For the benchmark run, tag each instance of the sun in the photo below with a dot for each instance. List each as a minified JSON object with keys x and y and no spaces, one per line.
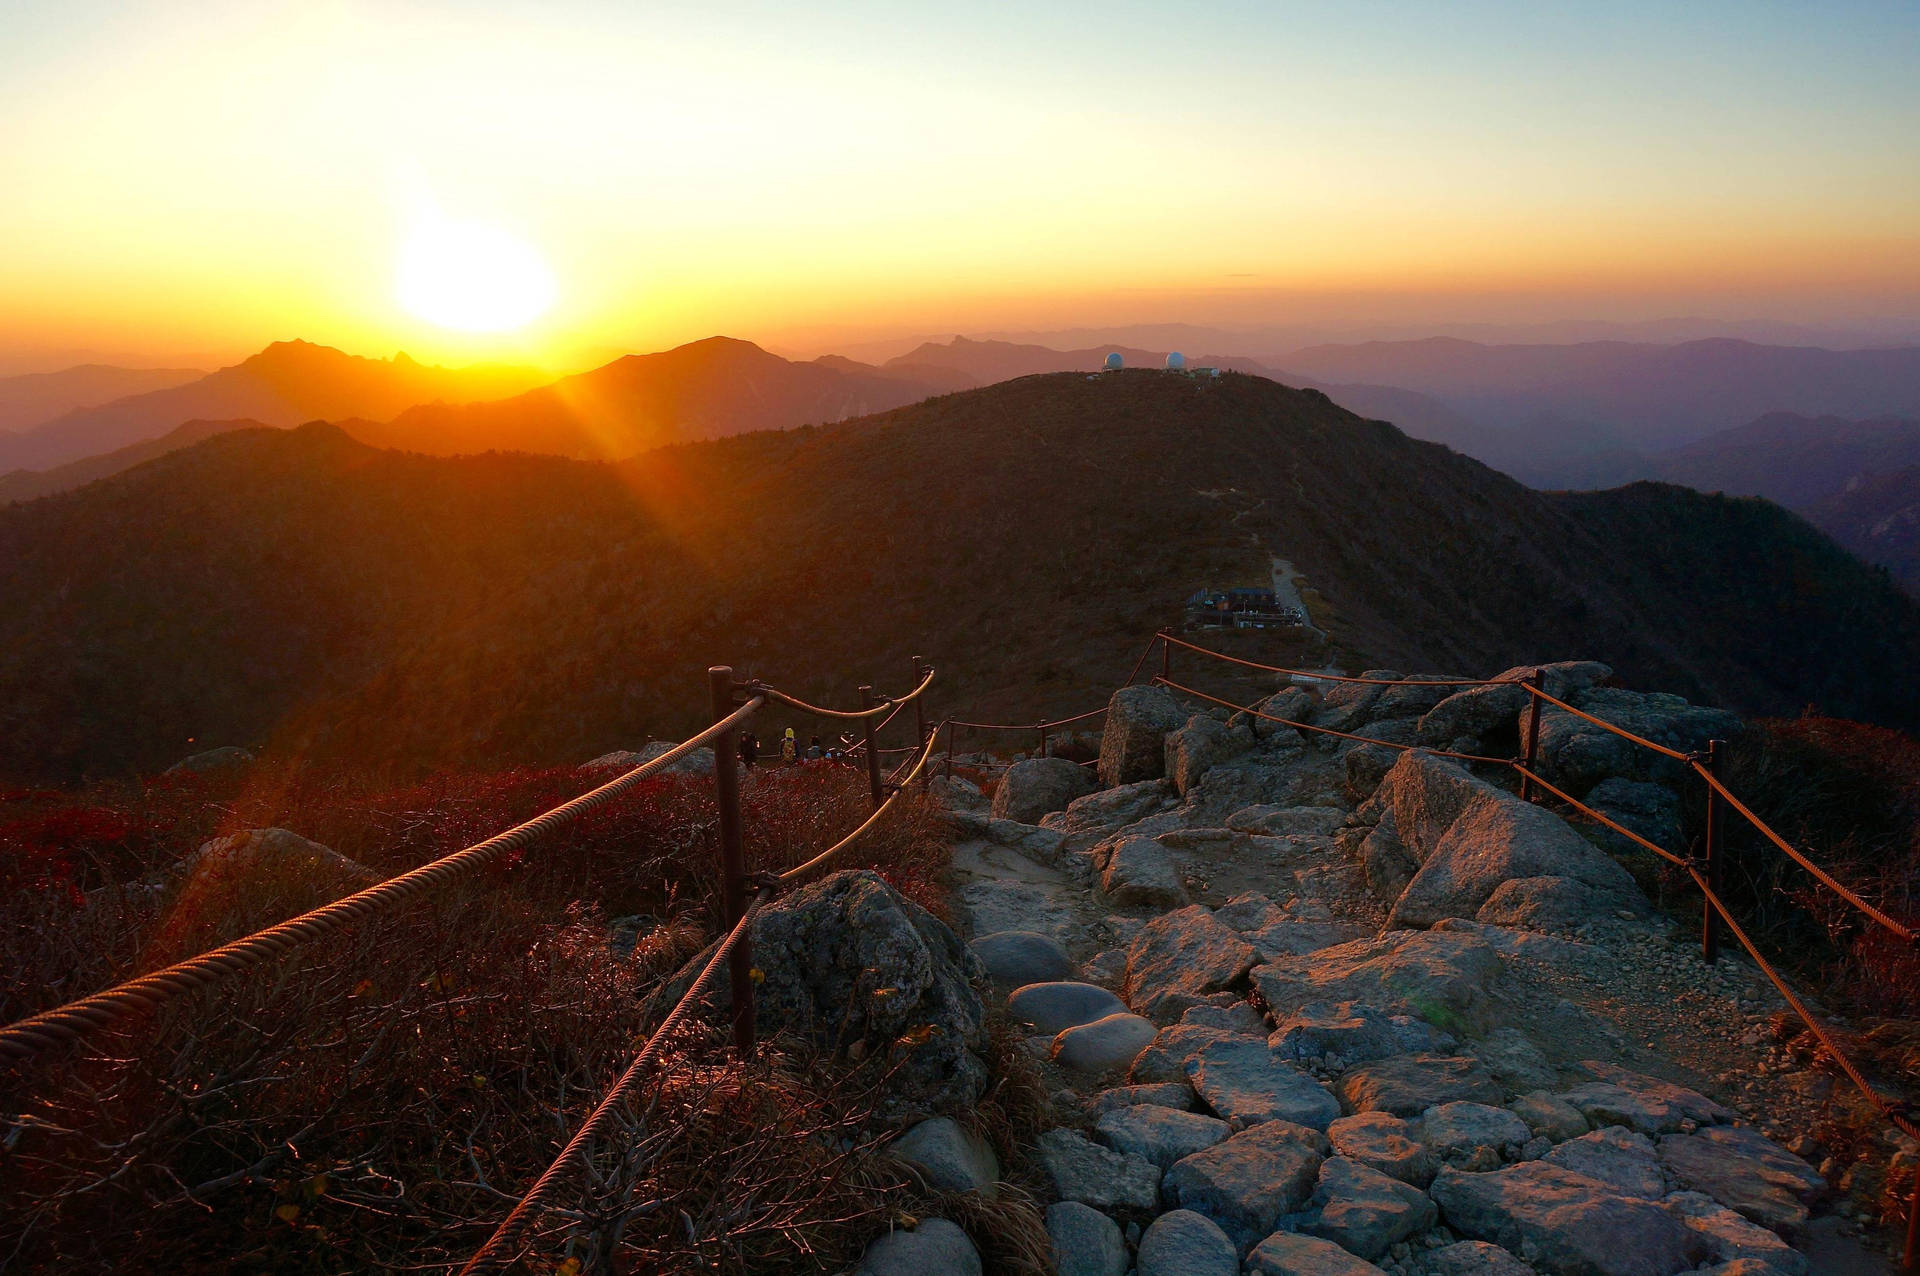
{"x":471,"y":277}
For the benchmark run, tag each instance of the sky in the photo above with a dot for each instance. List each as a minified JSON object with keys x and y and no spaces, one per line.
{"x":193,"y":180}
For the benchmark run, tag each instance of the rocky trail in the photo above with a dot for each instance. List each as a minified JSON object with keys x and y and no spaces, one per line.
{"x":1336,"y":1009}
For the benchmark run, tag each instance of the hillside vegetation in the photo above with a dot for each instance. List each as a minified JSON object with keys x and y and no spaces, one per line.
{"x":303,"y":590}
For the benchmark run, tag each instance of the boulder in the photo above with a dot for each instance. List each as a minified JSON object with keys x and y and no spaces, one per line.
{"x":1616,"y":1156}
{"x":1644,"y":1104}
{"x":1386,"y":1143}
{"x":1141,"y":873}
{"x":1245,"y":1081}
{"x":1199,"y":746}
{"x":1407,"y":1085}
{"x":934,"y":1248}
{"x":235,"y":885}
{"x":1651,"y":810}
{"x":1461,"y":720}
{"x":693,"y":762}
{"x":1347,"y":705}
{"x":948,"y":1156}
{"x":1081,"y":1170}
{"x":1133,"y":746}
{"x":1183,"y":1243}
{"x":1179,"y":959}
{"x":1166,"y":1059}
{"x":1456,"y":1131}
{"x":1105,"y":1044}
{"x":1291,"y":1254}
{"x":993,"y":905}
{"x":1386,"y":865}
{"x":1565,"y":1223}
{"x":1246,"y":1183}
{"x":1365,"y":766}
{"x":1261,"y":778}
{"x":1474,"y":1258}
{"x":1157,"y":1134}
{"x":1444,"y":977}
{"x":1545,"y":903}
{"x":1177,"y":1095}
{"x":1744,"y":1171}
{"x":1550,"y":1116}
{"x":1016,"y":958}
{"x":1470,"y":837}
{"x":1085,"y":1241}
{"x":958,"y":793}
{"x":849,"y":960}
{"x":1364,"y":1211}
{"x":1098,"y":816}
{"x":1349,"y":1030}
{"x":1039,"y":786}
{"x":222,"y":761}
{"x":1410,"y":699}
{"x":1052,"y":1008}
{"x":1038,"y":843}
{"x":1515,"y":1062}
{"x":1732,"y":1239}
{"x":1576,"y":755}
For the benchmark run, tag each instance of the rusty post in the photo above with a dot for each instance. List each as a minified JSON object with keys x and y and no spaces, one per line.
{"x":873,"y":748}
{"x":733,"y":864}
{"x":1910,"y":1260}
{"x":949,"y":760}
{"x":1166,"y":658}
{"x":1042,"y":729}
{"x":1716,"y":834}
{"x":1533,"y":735}
{"x":920,"y":716}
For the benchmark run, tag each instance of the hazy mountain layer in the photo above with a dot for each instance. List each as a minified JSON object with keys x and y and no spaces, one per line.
{"x":36,"y":397}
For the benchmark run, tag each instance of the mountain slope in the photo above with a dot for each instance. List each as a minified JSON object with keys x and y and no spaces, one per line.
{"x":301,"y":588}
{"x":702,"y":390}
{"x":285,"y":384}
{"x":1878,"y":518}
{"x":35,"y":397}
{"x":1791,"y":459}
{"x":25,"y":485}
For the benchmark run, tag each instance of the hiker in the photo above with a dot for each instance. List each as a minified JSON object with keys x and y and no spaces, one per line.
{"x":814,"y":752}
{"x":789,"y":749}
{"x":749,"y":749}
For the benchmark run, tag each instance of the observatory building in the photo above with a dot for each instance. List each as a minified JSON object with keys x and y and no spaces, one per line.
{"x":1176,"y":362}
{"x":1115,"y":362}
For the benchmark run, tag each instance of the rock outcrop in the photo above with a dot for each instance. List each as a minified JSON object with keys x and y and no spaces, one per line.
{"x":1034,"y":787}
{"x":1133,"y":746}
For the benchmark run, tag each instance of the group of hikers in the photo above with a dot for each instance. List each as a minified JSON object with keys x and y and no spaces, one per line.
{"x":790,"y":752}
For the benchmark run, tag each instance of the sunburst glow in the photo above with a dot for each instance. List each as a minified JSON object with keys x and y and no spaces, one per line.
{"x":471,"y":277}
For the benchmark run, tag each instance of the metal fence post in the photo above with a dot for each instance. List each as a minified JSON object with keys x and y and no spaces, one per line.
{"x":949,"y":759}
{"x":1042,"y":729}
{"x":873,"y":748}
{"x":1910,"y":1260}
{"x":1166,"y":658}
{"x":733,"y":864}
{"x":1716,"y":834}
{"x":1535,"y":679}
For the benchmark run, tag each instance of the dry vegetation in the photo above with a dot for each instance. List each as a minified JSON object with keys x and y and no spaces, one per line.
{"x":378,"y":1102}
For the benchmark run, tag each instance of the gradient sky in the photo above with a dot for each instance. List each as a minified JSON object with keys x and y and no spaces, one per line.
{"x":196,"y":177}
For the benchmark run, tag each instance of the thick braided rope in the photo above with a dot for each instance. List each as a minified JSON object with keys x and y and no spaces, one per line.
{"x":886,"y":706}
{"x":69,"y":1023}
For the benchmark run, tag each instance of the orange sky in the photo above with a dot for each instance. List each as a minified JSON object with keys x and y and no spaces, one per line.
{"x":200,"y":180}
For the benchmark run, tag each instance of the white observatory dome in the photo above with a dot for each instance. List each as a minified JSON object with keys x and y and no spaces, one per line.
{"x":1115,"y":362}
{"x":1176,"y":362}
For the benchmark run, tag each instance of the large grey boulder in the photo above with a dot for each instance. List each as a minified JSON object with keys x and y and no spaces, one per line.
{"x":1016,"y":958}
{"x":1133,"y":746}
{"x":1644,"y":1104}
{"x":1246,"y":1081}
{"x":950,"y":1157}
{"x":1179,"y":959}
{"x":1347,"y":705}
{"x":1474,"y":1258}
{"x":1108,"y":1043}
{"x":1407,"y":1085}
{"x":1385,"y":1142}
{"x":1291,"y":1254}
{"x":694,"y":762}
{"x":1177,"y":1095}
{"x":1081,"y":1170}
{"x":1183,"y":1243}
{"x":1565,"y":1223}
{"x":1576,"y":755}
{"x":234,"y":885}
{"x":1167,"y":1058}
{"x":1092,"y":819}
{"x":1616,"y":1156}
{"x":1141,"y":873}
{"x":1054,"y":1007}
{"x":934,"y":1248}
{"x":1471,"y":837}
{"x":1039,"y":786}
{"x":1515,"y":1062}
{"x":1248,"y":1182}
{"x":848,"y":960}
{"x":1457,"y":1132}
{"x":1460,"y":721}
{"x":1161,"y":1135}
{"x":1445,"y":977}
{"x":1199,"y":746}
{"x":1744,"y":1171}
{"x":1364,"y":1211}
{"x":1085,"y":1241}
{"x":1549,"y":1116}
{"x":1651,"y":810}
{"x":1732,"y":1239}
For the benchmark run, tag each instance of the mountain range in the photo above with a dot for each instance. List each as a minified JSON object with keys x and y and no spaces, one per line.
{"x":302,"y":589}
{"x":33,"y":398}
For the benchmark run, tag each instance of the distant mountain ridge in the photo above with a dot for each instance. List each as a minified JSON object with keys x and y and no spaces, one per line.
{"x":285,"y":384}
{"x":34,"y":398}
{"x":303,"y":589}
{"x":26,"y":485}
{"x":702,"y":390}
